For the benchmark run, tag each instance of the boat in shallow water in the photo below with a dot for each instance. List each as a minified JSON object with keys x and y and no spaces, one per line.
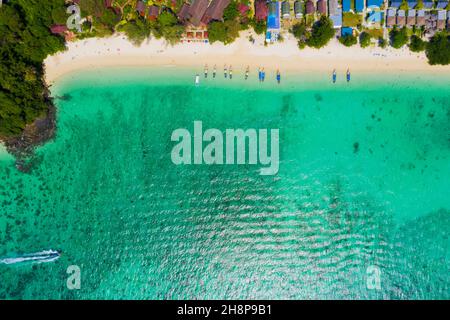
{"x":334,"y":76}
{"x":348,"y":75}
{"x":37,"y":257}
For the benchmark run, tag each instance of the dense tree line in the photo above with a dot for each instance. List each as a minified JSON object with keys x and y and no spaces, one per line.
{"x":25,"y":41}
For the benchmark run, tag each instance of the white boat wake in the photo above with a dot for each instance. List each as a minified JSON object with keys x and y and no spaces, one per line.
{"x":38,"y":257}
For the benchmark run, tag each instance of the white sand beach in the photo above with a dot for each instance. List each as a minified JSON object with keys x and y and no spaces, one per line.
{"x":118,"y":51}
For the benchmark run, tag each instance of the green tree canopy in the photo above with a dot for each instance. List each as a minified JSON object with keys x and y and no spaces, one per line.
{"x":364,"y":39}
{"x":438,"y":49}
{"x":416,"y":44}
{"x":348,"y":40}
{"x":398,"y":37}
{"x":321,"y":34}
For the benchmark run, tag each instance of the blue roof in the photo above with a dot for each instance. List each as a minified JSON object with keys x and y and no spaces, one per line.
{"x":377,"y":3}
{"x":346,"y":5}
{"x":427,"y":4}
{"x":273,"y":20}
{"x":337,"y":18}
{"x":442,"y":4}
{"x":359,"y":5}
{"x":375,"y":16}
{"x":396,"y":4}
{"x":412,"y":4}
{"x":346,"y":31}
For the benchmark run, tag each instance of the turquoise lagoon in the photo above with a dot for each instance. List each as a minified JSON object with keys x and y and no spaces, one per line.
{"x":364,"y":181}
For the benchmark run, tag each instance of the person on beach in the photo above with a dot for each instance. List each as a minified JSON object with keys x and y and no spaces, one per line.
{"x":206,"y":71}
{"x":214,"y":71}
{"x":225,"y":72}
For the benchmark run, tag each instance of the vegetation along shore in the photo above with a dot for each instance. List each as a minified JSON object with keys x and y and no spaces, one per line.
{"x":31,"y":30}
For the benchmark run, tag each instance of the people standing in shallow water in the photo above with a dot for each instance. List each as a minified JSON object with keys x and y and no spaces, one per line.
{"x":214,"y":71}
{"x":225,"y":71}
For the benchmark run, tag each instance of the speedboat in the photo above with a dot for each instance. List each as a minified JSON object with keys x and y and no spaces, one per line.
{"x":37,"y":257}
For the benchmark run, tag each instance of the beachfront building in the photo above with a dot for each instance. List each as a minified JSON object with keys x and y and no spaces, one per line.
{"x":411,"y":18}
{"x":401,"y":18}
{"x":428,"y":4}
{"x":346,"y":5}
{"x":273,"y":22}
{"x":310,"y":8}
{"x":448,"y":20}
{"x":359,"y":6}
{"x":261,"y":10}
{"x":396,"y":4}
{"x":285,"y":9}
{"x":196,"y":12}
{"x":141,"y":8}
{"x":420,"y":19}
{"x":335,"y":13}
{"x":183,"y":14}
{"x":441,"y":18}
{"x":442,"y":4}
{"x":347,"y":31}
{"x":390,"y":18}
{"x":374,"y":3}
{"x":214,"y":12}
{"x":153,"y":13}
{"x":322,"y":7}
{"x":412,"y":4}
{"x":298,"y":9}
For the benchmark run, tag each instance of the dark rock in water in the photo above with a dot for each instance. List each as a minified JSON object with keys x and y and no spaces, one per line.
{"x":318,"y":97}
{"x":35,"y":134}
{"x":65,"y":97}
{"x":356,"y":147}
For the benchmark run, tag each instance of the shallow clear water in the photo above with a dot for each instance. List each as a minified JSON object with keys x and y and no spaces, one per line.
{"x":363,"y":181}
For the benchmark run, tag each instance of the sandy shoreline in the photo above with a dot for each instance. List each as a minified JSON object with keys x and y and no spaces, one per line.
{"x":117,"y":51}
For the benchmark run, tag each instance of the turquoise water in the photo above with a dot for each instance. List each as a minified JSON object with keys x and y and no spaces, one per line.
{"x":363,"y":181}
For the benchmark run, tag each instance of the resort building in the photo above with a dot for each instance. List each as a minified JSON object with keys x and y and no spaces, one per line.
{"x":335,"y":13}
{"x":322,"y":7}
{"x":420,"y":20}
{"x":412,"y":4}
{"x":273,"y":22}
{"x":140,"y":8}
{"x":390,"y":19}
{"x":411,"y":18}
{"x":285,"y":10}
{"x":183,"y":14}
{"x":427,"y":4}
{"x":396,"y":4}
{"x":346,"y":31}
{"x":359,"y":5}
{"x":215,"y":11}
{"x":448,"y":20}
{"x":441,"y":18}
{"x":196,"y":12}
{"x":153,"y":13}
{"x":374,"y":3}
{"x":298,"y":9}
{"x":310,"y":7}
{"x":346,"y":5}
{"x":261,"y":10}
{"x":442,"y":4}
{"x":401,"y":18}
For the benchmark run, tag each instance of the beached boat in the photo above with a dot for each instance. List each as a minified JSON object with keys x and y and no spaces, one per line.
{"x":206,"y":71}
{"x":214,"y":71}
{"x":334,"y":76}
{"x":278,"y":76}
{"x":247,"y":72}
{"x":197,"y":80}
{"x":348,"y":75}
